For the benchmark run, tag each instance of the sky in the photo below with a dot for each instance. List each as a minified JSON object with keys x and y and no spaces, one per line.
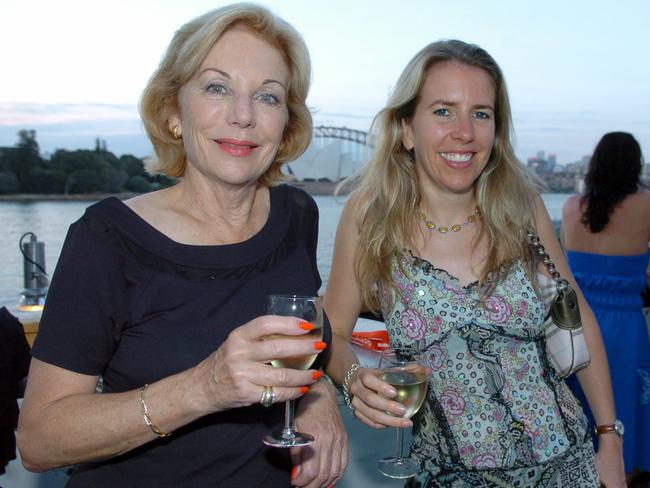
{"x":74,"y":70}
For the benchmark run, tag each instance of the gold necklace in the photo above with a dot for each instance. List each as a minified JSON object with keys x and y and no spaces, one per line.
{"x":452,"y":228}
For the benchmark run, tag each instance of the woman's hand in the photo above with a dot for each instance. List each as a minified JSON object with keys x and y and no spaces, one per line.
{"x":371,"y":399}
{"x":323,"y":462}
{"x":609,"y":461}
{"x":235,"y":374}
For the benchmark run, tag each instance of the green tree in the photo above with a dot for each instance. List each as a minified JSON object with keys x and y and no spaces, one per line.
{"x":138,"y":184}
{"x":26,"y":158}
{"x":8,"y":183}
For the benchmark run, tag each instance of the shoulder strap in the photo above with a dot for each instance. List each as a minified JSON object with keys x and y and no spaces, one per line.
{"x":538,"y":250}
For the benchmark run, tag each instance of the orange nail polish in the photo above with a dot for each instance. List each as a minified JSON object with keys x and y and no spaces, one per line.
{"x":305,"y":325}
{"x":320,"y":345}
{"x":294,"y":472}
{"x":315,"y":375}
{"x":304,"y":389}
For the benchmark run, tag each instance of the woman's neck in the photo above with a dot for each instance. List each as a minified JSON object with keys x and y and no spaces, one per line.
{"x":446,"y":208}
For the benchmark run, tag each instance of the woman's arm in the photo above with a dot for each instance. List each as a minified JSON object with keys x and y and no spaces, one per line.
{"x":322,"y":463}
{"x":342,"y":300}
{"x":595,"y":379}
{"x":343,"y":304}
{"x":63,"y":421}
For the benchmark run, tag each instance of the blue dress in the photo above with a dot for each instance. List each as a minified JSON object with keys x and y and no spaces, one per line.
{"x":612,"y":285}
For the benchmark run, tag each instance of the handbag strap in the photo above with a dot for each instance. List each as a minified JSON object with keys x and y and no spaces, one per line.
{"x":538,"y":248}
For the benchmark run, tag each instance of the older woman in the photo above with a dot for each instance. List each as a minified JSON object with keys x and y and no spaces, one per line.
{"x":164,"y":295}
{"x":435,"y":238}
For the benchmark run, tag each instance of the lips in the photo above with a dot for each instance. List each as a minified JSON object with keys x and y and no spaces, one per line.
{"x":236,"y":147}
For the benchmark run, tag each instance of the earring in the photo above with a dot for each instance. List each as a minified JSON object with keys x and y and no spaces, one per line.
{"x":176,"y":132}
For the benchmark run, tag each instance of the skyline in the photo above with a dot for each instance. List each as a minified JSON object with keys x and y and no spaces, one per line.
{"x":74,"y":71}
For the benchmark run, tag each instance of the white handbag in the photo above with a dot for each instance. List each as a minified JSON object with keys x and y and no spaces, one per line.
{"x":566,"y":347}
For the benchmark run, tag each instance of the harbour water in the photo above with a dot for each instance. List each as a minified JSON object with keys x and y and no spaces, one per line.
{"x":50,"y":220}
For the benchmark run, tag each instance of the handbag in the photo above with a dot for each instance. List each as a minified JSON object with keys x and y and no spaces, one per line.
{"x":566,"y":347}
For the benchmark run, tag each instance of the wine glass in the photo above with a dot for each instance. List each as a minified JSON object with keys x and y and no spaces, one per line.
{"x":310,"y":309}
{"x":406,"y":370}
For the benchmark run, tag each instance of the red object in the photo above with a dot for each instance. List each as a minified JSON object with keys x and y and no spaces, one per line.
{"x":376,"y":340}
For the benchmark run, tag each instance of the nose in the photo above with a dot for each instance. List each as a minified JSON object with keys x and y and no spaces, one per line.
{"x":464,"y":128}
{"x":241,"y":112}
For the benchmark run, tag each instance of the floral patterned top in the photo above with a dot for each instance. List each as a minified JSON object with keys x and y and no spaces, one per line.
{"x":493,"y":400}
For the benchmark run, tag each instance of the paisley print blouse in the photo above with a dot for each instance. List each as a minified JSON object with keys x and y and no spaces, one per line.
{"x":493,"y":401}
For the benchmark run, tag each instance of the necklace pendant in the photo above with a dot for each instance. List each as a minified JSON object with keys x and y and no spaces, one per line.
{"x":456,"y":227}
{"x":443,"y":229}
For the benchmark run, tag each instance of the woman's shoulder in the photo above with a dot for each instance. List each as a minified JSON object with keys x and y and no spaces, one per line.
{"x":640,"y":198}
{"x":110,"y":213}
{"x":294,"y":195}
{"x":572,"y":204}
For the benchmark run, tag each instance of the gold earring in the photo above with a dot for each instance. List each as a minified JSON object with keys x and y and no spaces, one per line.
{"x":176,"y":132}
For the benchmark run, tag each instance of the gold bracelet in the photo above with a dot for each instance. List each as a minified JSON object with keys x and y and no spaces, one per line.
{"x":147,"y":420}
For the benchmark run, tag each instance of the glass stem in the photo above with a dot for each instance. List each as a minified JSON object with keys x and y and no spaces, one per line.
{"x":289,"y":426}
{"x":400,"y":442}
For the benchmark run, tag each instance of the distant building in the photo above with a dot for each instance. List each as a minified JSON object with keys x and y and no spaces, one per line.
{"x":330,"y":158}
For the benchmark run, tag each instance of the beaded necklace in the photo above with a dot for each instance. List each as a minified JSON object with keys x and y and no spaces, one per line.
{"x":451,"y":228}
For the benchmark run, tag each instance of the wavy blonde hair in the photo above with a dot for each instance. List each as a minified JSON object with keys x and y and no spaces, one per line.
{"x":387,"y":195}
{"x":182,"y":60}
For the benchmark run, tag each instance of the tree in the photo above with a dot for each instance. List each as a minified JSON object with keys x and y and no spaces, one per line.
{"x":27,"y":158}
{"x":137,"y":184}
{"x":27,"y":140}
{"x":8,"y":183}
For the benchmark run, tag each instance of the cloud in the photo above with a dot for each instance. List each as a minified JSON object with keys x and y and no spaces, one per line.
{"x":13,"y":114}
{"x":75,"y":126}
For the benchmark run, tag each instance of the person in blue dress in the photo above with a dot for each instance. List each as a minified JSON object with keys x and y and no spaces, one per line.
{"x":435,"y":238}
{"x":605,"y":232}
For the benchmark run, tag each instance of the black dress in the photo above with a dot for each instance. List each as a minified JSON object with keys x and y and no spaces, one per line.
{"x":133,"y":306}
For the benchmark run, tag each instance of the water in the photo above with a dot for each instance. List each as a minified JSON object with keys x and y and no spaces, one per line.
{"x":50,"y":222}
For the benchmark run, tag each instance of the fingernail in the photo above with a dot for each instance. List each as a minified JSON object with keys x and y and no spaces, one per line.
{"x":391,"y":392}
{"x":320,"y":345}
{"x":294,"y":472}
{"x":305,"y":325}
{"x":315,"y":375}
{"x":399,"y":410}
{"x":304,"y":389}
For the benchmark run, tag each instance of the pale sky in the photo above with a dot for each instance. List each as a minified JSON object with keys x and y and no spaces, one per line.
{"x":74,"y":70}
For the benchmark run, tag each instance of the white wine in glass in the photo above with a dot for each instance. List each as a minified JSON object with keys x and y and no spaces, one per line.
{"x":406,"y":370}
{"x":301,"y":362}
{"x":310,"y":309}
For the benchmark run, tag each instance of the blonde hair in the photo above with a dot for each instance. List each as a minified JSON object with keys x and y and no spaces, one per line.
{"x":388,"y":197}
{"x":189,"y":48}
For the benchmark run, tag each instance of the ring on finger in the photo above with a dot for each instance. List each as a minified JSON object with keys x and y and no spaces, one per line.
{"x":268,"y":396}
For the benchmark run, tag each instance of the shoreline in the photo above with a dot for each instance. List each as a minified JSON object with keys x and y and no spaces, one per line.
{"x":314,"y":188}
{"x":40,"y":197}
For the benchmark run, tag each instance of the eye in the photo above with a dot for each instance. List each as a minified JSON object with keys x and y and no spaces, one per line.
{"x":268,"y":98}
{"x":216,"y":89}
{"x":482,"y":115}
{"x":441,"y":112}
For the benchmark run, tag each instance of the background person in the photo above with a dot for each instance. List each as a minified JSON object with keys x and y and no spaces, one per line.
{"x":169,"y":289}
{"x":435,"y":238}
{"x":14,"y":365}
{"x":606,"y":232}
